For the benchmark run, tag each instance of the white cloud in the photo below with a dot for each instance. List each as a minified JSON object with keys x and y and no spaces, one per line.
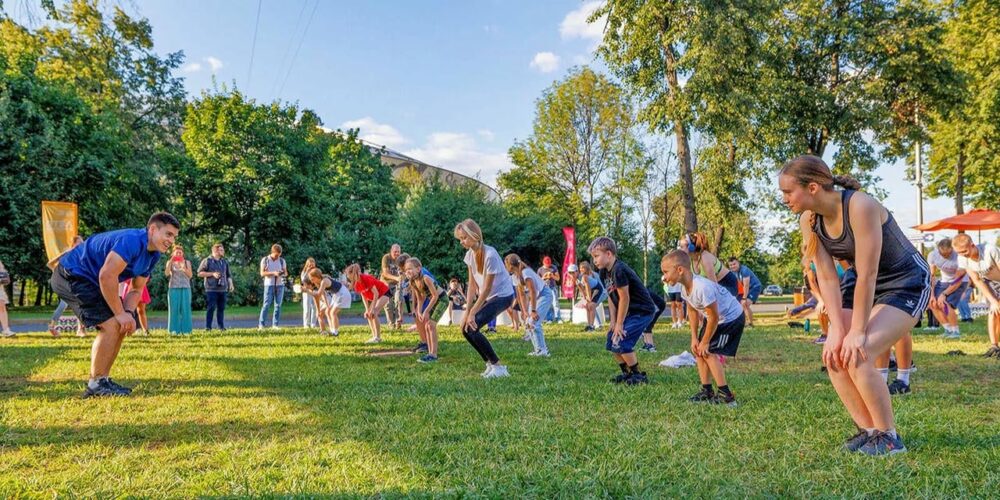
{"x":191,"y":67}
{"x":213,"y":63}
{"x":487,"y":135}
{"x":546,"y":62}
{"x":377,"y":133}
{"x":460,"y":153}
{"x":575,"y":24}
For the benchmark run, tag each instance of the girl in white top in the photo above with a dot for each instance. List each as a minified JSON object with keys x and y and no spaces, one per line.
{"x":983,"y":266}
{"x":535,"y":301}
{"x":330,"y":297}
{"x":490,"y":292}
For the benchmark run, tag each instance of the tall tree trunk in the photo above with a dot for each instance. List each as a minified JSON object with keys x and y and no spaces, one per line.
{"x":960,"y":183}
{"x":20,"y":300}
{"x":39,"y":290}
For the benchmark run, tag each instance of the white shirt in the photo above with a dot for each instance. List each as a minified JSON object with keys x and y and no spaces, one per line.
{"x":948,"y":266}
{"x":988,"y":265}
{"x":492,"y":264}
{"x":272,"y":265}
{"x":705,"y":292}
{"x":530,"y":275}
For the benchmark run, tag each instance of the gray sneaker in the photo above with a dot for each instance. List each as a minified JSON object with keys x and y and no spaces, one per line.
{"x":882,"y":443}
{"x":856,"y":441}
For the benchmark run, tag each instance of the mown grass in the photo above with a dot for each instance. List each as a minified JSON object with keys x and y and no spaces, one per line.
{"x":291,"y":413}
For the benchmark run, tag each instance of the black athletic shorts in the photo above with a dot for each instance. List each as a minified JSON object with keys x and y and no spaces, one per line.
{"x":908,"y":290}
{"x":83,"y":296}
{"x":727,"y":336}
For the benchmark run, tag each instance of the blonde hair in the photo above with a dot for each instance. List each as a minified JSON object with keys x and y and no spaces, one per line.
{"x":309,"y":265}
{"x":513,"y":261}
{"x":315,"y":272}
{"x":470,"y":228}
{"x":806,"y":170}
{"x":353,"y":272}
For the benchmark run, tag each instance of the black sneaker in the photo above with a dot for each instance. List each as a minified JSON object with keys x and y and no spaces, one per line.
{"x":648,"y":348}
{"x":703,"y":396}
{"x":881,"y":443}
{"x":992,"y":352}
{"x":898,"y":387}
{"x":588,"y":329}
{"x":620,"y":378}
{"x":421,"y":347}
{"x":637,"y":378}
{"x":104,"y":388}
{"x":116,"y":385}
{"x":428,"y":358}
{"x":723,"y":399}
{"x":856,"y":441}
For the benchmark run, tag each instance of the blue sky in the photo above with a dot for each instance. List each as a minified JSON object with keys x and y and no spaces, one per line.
{"x":452,"y":83}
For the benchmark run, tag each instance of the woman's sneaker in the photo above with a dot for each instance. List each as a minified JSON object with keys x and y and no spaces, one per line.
{"x":7,"y":334}
{"x":540,"y":354}
{"x":856,"y":441}
{"x":497,"y":371}
{"x":373,"y":340}
{"x":882,"y":443}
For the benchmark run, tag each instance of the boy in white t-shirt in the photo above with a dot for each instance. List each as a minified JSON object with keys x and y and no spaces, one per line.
{"x":722,"y":324}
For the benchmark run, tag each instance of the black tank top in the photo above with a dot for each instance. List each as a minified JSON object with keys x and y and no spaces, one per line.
{"x":897,"y":252}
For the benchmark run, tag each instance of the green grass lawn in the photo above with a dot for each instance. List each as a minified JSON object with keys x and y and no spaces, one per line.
{"x":292,"y":413}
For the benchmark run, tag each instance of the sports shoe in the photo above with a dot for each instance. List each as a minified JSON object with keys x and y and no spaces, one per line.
{"x":621,"y":377}
{"x":421,"y":347}
{"x":724,"y":399}
{"x":488,"y":368}
{"x":8,"y":334}
{"x":334,"y":333}
{"x":427,"y":358}
{"x":882,"y":443}
{"x":116,"y":385}
{"x":992,"y":352}
{"x":373,"y":340}
{"x":498,"y":371}
{"x":323,"y":333}
{"x":931,"y":328}
{"x":820,"y":340}
{"x":856,"y":441}
{"x":703,"y":396}
{"x":104,"y":388}
{"x":491,"y":330}
{"x":52,"y":329}
{"x":539,"y":354}
{"x":952,"y":335}
{"x":898,"y":387}
{"x":588,"y":328}
{"x":637,"y":378}
{"x":648,"y":348}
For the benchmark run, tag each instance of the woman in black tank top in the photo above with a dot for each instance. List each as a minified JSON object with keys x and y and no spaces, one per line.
{"x":876,"y":304}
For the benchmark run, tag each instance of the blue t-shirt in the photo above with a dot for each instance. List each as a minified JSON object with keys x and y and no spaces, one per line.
{"x":131,"y":245}
{"x":745,"y":272}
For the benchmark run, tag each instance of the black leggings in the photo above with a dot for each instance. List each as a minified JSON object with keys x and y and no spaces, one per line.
{"x":660,"y":307}
{"x":491,"y":309}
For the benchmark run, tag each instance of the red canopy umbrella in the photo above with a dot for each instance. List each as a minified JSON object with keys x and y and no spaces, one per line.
{"x":976,"y":220}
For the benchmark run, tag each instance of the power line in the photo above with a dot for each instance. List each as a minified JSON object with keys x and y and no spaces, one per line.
{"x":292,"y":62}
{"x":253,"y":46}
{"x":288,"y":47}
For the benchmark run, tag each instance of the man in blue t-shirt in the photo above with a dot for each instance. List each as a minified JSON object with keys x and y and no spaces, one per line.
{"x":87,"y":278}
{"x":751,"y":286}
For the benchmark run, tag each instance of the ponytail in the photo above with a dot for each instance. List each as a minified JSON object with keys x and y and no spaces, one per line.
{"x":846,"y":182}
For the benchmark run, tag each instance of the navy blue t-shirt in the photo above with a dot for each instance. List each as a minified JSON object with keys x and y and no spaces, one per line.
{"x":639,"y":301}
{"x":745,"y":272}
{"x":131,"y":245}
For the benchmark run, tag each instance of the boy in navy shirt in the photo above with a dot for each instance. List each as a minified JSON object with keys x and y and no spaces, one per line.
{"x":87,"y":278}
{"x":631,"y":309}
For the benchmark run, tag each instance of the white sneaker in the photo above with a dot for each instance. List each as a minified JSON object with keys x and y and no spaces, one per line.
{"x":275,"y":327}
{"x":486,"y":372}
{"x":540,"y":354}
{"x":260,"y":327}
{"x":8,"y":334}
{"x":497,"y":372}
{"x":373,"y":340}
{"x":931,"y":328}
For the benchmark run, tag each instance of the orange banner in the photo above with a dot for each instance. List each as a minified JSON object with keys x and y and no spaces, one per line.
{"x":59,"y":227}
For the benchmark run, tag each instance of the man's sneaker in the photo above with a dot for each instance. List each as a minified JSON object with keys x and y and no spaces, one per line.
{"x":898,"y":387}
{"x":421,"y":347}
{"x":588,"y":328}
{"x":992,"y":352}
{"x":724,"y":399}
{"x":637,"y":378}
{"x":427,"y":358}
{"x":116,"y":385}
{"x":497,"y":372}
{"x":882,"y":443}
{"x":648,"y":348}
{"x":104,"y":388}
{"x":620,"y":378}
{"x":856,"y":441}
{"x":703,"y":396}
{"x":820,"y":340}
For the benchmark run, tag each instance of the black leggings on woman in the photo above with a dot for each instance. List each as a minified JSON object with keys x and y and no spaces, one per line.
{"x":491,"y":309}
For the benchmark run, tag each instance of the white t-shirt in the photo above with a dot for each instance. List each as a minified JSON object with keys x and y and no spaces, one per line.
{"x":528,"y":274}
{"x":948,"y":266}
{"x":988,"y":265}
{"x":275,"y":265}
{"x":675,"y":288}
{"x":492,"y":264}
{"x":705,"y":292}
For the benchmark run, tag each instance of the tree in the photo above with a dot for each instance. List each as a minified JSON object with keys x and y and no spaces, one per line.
{"x":965,"y":156}
{"x":582,"y":131}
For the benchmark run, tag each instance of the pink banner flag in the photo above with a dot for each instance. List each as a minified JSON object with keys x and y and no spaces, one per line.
{"x":568,"y":285}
